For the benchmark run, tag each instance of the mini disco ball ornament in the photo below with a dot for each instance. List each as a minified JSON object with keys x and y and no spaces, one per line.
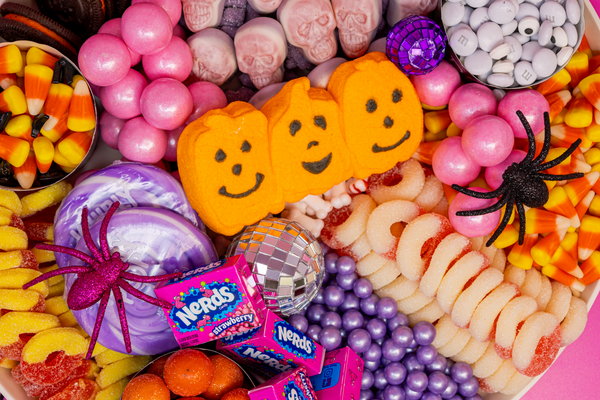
{"x":286,"y":260}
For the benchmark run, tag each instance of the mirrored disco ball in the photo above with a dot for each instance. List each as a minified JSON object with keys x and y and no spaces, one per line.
{"x":287,"y":262}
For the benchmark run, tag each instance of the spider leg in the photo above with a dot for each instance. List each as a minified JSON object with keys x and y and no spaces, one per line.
{"x":504,"y":222}
{"x":521,"y":212}
{"x":558,"y":159}
{"x":104,"y":230}
{"x":66,"y":250}
{"x":87,"y":236}
{"x":493,"y":208}
{"x":530,"y":137}
{"x":549,"y":177}
{"x":122,"y":317}
{"x":148,"y":279}
{"x":481,"y":195}
{"x":98,"y":324}
{"x":547,"y":135}
{"x":143,"y":296}
{"x":60,"y":271}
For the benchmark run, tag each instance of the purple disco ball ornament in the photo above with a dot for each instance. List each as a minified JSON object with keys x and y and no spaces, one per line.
{"x":416,"y":45}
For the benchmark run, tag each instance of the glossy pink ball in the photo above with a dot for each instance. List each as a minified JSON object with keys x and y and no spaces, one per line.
{"x":172,"y":7}
{"x":139,"y":141}
{"x":206,"y":96}
{"x":179,"y":32}
{"x":172,"y":139}
{"x":436,"y":87}
{"x":488,"y":140}
{"x":476,"y":226}
{"x":122,"y":99}
{"x":104,"y":59}
{"x":146,"y":28}
{"x":533,"y":106}
{"x":113,"y":27}
{"x":493,"y":175}
{"x":451,"y":165}
{"x":166,"y":103}
{"x":110,"y":127}
{"x":470,"y":101}
{"x":174,"y":61}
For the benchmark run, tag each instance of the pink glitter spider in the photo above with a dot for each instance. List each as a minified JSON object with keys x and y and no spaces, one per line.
{"x":104,"y":275}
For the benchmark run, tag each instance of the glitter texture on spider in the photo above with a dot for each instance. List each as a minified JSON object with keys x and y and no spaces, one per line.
{"x":523,"y":183}
{"x":106,"y":273}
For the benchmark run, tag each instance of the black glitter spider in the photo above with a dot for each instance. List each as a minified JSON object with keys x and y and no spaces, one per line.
{"x":523,"y":183}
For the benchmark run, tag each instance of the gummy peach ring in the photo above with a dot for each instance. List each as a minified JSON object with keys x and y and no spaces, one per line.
{"x":343,"y":226}
{"x":52,"y":354}
{"x":403,"y":182}
{"x":537,"y":344}
{"x":574,"y":323}
{"x":15,"y":328}
{"x":499,"y":379}
{"x":515,"y":312}
{"x":483,"y":321}
{"x":467,"y":302}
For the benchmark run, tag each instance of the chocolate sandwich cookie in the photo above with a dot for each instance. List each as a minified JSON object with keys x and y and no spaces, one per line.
{"x":84,"y":17}
{"x":120,"y":7}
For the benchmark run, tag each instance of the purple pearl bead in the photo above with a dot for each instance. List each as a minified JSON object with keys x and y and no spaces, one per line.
{"x":461,"y":372}
{"x":362,"y":288}
{"x":315,"y":312}
{"x":476,"y":397}
{"x":385,"y":362}
{"x":377,"y":328}
{"x":439,"y":364}
{"x":344,"y":334}
{"x":450,"y":390}
{"x":368,"y":305}
{"x":330,"y":262}
{"x":351,"y":302}
{"x":334,"y":296}
{"x":412,"y":363}
{"x":424,"y":333}
{"x":430,"y":396}
{"x":326,"y":277}
{"x":319,"y":299}
{"x":352,"y":320}
{"x":425,"y":354}
{"x":381,"y":340}
{"x":397,"y":321}
{"x":345,"y":265}
{"x":380,"y":382}
{"x":366,"y":395}
{"x":346,"y":281}
{"x":324,"y":248}
{"x":402,"y":336}
{"x":411,"y":394}
{"x":391,"y":351}
{"x":413,"y":344}
{"x":438,"y":382}
{"x":395,"y":373}
{"x":379,"y":395}
{"x":417,"y":381}
{"x":373,"y":353}
{"x":331,"y":318}
{"x":469,"y":388}
{"x":367,"y":380}
{"x":387,"y":307}
{"x":298,"y":322}
{"x":313,"y":332}
{"x":449,"y":364}
{"x":359,"y":340}
{"x":393,"y":393}
{"x":456,"y":397}
{"x":372,"y":365}
{"x":330,"y":338}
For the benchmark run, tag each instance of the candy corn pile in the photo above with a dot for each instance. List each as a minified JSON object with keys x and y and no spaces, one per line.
{"x":47,"y":113}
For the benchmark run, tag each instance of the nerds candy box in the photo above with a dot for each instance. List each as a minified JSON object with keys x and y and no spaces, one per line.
{"x":212,"y":302}
{"x":341,"y":376}
{"x":292,"y":385}
{"x":274,"y":347}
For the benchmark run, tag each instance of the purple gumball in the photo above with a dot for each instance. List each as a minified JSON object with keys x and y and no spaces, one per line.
{"x":493,"y":175}
{"x":174,"y":61}
{"x":436,"y":87}
{"x":172,"y":7}
{"x":451,"y":165}
{"x":166,"y":103}
{"x":113,"y":27}
{"x":533,"y":106}
{"x":206,"y":96}
{"x":110,"y":127}
{"x":470,"y":101}
{"x":488,"y":140}
{"x":140,"y":141}
{"x":473,"y":226}
{"x":122,"y":99}
{"x":172,"y":139}
{"x":104,"y":59}
{"x":146,"y":28}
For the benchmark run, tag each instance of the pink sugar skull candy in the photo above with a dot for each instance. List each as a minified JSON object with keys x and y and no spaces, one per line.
{"x":264,"y":6}
{"x":357,"y":22}
{"x":202,"y":14}
{"x":213,"y":56}
{"x":260,"y":49}
{"x":400,"y":9}
{"x":309,"y":25}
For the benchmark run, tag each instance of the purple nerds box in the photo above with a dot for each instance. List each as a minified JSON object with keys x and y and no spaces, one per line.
{"x":341,"y":376}
{"x":212,"y":302}
{"x":291,"y":385}
{"x":274,"y":347}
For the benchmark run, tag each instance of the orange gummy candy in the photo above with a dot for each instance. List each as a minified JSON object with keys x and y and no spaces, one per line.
{"x":80,"y":389}
{"x":40,"y":231}
{"x":146,"y":387}
{"x":85,"y":370}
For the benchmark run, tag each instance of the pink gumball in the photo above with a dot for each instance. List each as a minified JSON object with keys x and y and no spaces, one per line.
{"x":113,"y":27}
{"x":174,"y":61}
{"x":206,"y":96}
{"x":533,"y":106}
{"x":146,"y":28}
{"x":172,"y":139}
{"x":488,"y":140}
{"x":179,"y":32}
{"x":475,"y":226}
{"x":493,"y":175}
{"x":139,"y":141}
{"x":123,"y":98}
{"x":110,"y":127}
{"x":166,"y":103}
{"x":436,"y":87}
{"x":172,"y":7}
{"x":104,"y":59}
{"x":451,"y":165}
{"x":470,"y":101}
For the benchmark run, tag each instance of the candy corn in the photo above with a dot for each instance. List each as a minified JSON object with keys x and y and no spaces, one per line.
{"x":10,"y":59}
{"x":508,"y":237}
{"x":82,"y":117}
{"x":577,"y":189}
{"x":425,"y":152}
{"x":21,"y":72}
{"x":555,"y":83}
{"x":592,"y":156}
{"x":594,"y":63}
{"x":59,"y":129}
{"x":453,"y":130}
{"x":589,"y":236}
{"x":541,"y":221}
{"x":437,"y":121}
{"x":584,"y":47}
{"x":432,"y":108}
{"x":433,"y":137}
{"x":591,"y":269}
{"x":44,"y":153}
{"x":590,"y":88}
{"x":520,"y":255}
{"x":593,"y":131}
{"x":543,"y":250}
{"x":37,"y":84}
{"x":569,"y":244}
{"x":580,"y":113}
{"x":578,"y":67}
{"x":76,"y":79}
{"x":61,"y":160}
{"x":557,"y":102}
{"x":57,"y":104}
{"x":20,"y":127}
{"x":560,"y":118}
{"x":564,"y":135}
{"x":13,"y":100}
{"x":558,"y":202}
{"x":76,"y":146}
{"x":584,"y":204}
{"x":7,"y":80}
{"x":566,"y":279}
{"x":26,"y":173}
{"x":37,"y":56}
{"x":449,"y":192}
{"x":594,"y":208}
{"x":565,"y":262}
{"x":38,"y":123}
{"x":562,"y":168}
{"x":13,"y":150}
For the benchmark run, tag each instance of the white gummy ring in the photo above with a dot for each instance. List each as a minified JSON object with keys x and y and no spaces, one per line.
{"x":467,"y":302}
{"x":411,"y":184}
{"x":515,"y":312}
{"x":484,"y":318}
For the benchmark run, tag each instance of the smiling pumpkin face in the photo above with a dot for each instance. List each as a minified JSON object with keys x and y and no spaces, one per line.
{"x":308,"y":153}
{"x":225,"y":169}
{"x":381,"y":116}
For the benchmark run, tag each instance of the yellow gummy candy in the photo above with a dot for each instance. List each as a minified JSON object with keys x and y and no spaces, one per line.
{"x":55,"y":279}
{"x":5,"y":217}
{"x":17,"y":277}
{"x":52,"y":340}
{"x":56,"y":306}
{"x":10,"y":259}
{"x":10,"y":200}
{"x":110,"y":356}
{"x":7,"y":363}
{"x":15,"y":323}
{"x":57,"y":290}
{"x":98,"y":349}
{"x":67,"y":319}
{"x":120,"y":369}
{"x":43,"y":256}
{"x":45,"y":198}
{"x":12,"y":239}
{"x":114,"y":391}
{"x":436,"y":121}
{"x":19,"y":299}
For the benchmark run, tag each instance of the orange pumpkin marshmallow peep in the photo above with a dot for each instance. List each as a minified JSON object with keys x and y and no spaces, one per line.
{"x":226,"y":169}
{"x":381,"y":116}
{"x":308,"y":152}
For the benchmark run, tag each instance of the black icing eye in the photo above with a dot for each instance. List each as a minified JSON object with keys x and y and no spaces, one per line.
{"x":397,"y":95}
{"x":237,"y":169}
{"x":295,"y":126}
{"x":371,"y":106}
{"x":321,"y":122}
{"x":246,"y":147}
{"x":220,"y":156}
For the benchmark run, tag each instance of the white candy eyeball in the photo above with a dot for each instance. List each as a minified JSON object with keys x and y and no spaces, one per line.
{"x":527,"y":10}
{"x":510,"y":28}
{"x":478,"y":17}
{"x":544,"y":63}
{"x":502,"y":11}
{"x":516,"y":50}
{"x":524,"y":73}
{"x":564,"y":55}
{"x":500,"y":80}
{"x":571,"y":32}
{"x":489,"y":36}
{"x":478,"y":63}
{"x":452,"y":13}
{"x":529,"y":26}
{"x":573,"y":11}
{"x":553,"y":12}
{"x":545,"y":33}
{"x":503,"y":67}
{"x":500,"y":51}
{"x":559,"y":37}
{"x":464,"y":42}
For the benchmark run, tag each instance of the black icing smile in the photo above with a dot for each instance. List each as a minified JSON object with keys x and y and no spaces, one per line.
{"x":259,"y":180}
{"x":377,"y":149}
{"x":317,"y":167}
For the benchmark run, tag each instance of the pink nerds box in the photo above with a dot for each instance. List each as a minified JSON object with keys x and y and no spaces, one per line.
{"x":273,"y":348}
{"x":212,"y":302}
{"x":292,"y":385}
{"x":341,"y":377}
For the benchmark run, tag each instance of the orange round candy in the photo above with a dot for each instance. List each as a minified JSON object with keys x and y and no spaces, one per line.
{"x":237,"y":394}
{"x":158,"y":366}
{"x":188,"y":372}
{"x":228,"y":376}
{"x":191,"y":398}
{"x":146,"y":387}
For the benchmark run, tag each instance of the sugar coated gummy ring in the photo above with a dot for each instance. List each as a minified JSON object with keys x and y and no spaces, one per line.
{"x":344,"y":225}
